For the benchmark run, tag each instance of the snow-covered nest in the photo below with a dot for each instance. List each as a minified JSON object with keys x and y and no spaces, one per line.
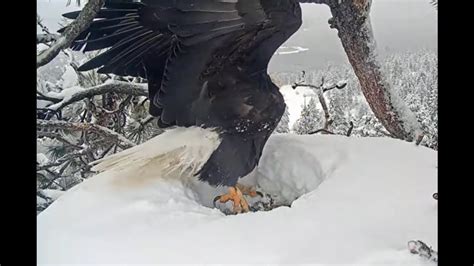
{"x":353,"y":201}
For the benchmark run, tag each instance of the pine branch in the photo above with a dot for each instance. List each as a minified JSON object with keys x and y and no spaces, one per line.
{"x":122,"y":141}
{"x":58,"y":136}
{"x":116,"y":86}
{"x":81,"y":23}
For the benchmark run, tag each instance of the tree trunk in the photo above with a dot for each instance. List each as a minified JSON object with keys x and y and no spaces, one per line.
{"x":351,"y":19}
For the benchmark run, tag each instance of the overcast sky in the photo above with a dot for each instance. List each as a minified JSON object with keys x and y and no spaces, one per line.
{"x":399,"y":25}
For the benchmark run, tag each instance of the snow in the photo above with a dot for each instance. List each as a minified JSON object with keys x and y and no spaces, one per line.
{"x":406,"y":116}
{"x":353,"y":200}
{"x":295,"y":100}
{"x":53,"y":193}
{"x":341,"y":82}
{"x":41,"y":159}
{"x":70,"y":78}
{"x":65,"y":95}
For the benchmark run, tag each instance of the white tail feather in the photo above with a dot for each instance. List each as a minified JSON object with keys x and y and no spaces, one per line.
{"x":177,"y":153}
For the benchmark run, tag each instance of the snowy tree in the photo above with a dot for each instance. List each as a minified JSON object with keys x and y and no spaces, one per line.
{"x":413,"y":76}
{"x":310,"y":120}
{"x":284,"y":124}
{"x":352,"y":21}
{"x":82,"y":117}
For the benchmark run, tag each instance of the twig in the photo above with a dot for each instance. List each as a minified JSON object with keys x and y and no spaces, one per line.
{"x":321,"y":130}
{"x":40,"y":23}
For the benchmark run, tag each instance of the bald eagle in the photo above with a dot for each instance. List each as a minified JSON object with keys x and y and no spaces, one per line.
{"x":206,"y":65}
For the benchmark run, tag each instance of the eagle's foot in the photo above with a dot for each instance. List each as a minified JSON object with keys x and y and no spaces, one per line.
{"x":237,"y":197}
{"x":248,"y":190}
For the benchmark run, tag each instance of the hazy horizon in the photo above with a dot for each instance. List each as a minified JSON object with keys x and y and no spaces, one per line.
{"x":399,"y":25}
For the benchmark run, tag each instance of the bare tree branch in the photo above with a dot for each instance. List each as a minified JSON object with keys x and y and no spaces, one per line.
{"x":81,"y":23}
{"x":321,"y":130}
{"x":351,"y":127}
{"x":320,"y":90}
{"x":100,"y":130}
{"x":116,"y":86}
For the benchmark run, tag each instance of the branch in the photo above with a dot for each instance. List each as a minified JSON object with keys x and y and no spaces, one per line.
{"x":321,"y":130}
{"x":47,"y":98}
{"x":349,"y":131}
{"x":319,"y":91}
{"x":58,"y":136}
{"x":81,"y":23}
{"x":39,"y":22}
{"x":325,"y":109}
{"x":100,"y":130}
{"x":339,"y":85}
{"x":419,"y":139}
{"x":295,"y":85}
{"x":46,"y":38}
{"x":116,"y":86}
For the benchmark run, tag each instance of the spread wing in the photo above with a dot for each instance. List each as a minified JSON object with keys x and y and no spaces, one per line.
{"x":169,"y":42}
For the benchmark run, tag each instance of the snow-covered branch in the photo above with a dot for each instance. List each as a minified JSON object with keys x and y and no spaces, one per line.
{"x":82,"y":22}
{"x":423,"y":250}
{"x":100,"y":130}
{"x":44,"y":97}
{"x":75,"y":94}
{"x":46,"y":38}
